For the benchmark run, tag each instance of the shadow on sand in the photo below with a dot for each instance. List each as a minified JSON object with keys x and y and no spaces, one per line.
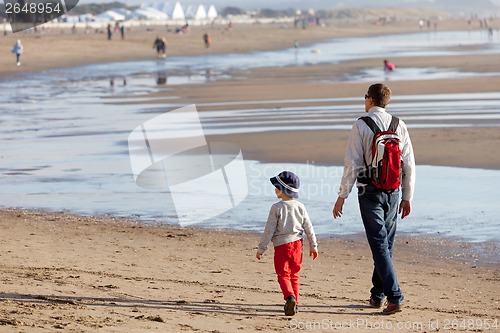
{"x":207,"y":306}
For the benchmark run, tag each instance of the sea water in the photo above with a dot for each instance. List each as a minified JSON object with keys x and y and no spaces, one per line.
{"x":449,"y":201}
{"x":75,"y":158}
{"x":64,"y":138}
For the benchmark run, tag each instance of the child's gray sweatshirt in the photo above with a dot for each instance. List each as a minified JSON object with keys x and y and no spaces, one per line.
{"x":287,"y":222}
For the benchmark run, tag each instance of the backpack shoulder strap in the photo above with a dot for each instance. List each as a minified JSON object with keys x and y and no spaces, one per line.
{"x":369,"y":121}
{"x":394,"y":124}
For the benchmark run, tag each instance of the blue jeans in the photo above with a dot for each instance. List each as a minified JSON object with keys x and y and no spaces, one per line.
{"x":379,"y":211}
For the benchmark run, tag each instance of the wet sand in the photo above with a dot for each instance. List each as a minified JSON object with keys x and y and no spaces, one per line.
{"x":74,"y":273}
{"x":461,"y":146}
{"x":432,"y":146}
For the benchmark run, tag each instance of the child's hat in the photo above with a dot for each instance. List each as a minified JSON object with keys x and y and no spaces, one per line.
{"x":288,"y":183}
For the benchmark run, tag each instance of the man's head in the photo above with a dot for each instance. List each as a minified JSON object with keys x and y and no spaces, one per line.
{"x":378,"y":95}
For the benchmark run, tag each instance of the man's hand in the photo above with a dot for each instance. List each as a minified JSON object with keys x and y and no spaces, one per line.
{"x":258,"y":255}
{"x":313,"y":254}
{"x":404,"y":208}
{"x":337,"y":208}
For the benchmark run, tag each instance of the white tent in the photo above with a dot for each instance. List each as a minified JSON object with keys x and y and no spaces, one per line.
{"x":200,"y":13}
{"x":177,"y":12}
{"x":212,"y":12}
{"x":110,"y":15}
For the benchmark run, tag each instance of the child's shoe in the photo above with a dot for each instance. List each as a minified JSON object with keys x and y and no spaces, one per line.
{"x":290,"y":305}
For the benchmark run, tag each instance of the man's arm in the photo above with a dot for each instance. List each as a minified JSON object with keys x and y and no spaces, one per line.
{"x":408,"y":158}
{"x":353,"y":161}
{"x":337,"y":207}
{"x":404,"y":208}
{"x":408,"y":186}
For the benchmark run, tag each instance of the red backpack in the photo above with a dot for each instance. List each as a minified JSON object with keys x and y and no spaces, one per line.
{"x":384,"y":171}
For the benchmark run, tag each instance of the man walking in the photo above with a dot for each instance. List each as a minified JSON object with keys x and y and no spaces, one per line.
{"x":378,"y":203}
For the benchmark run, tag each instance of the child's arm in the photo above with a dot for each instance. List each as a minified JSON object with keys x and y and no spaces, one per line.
{"x":272,"y":222}
{"x":311,"y":236}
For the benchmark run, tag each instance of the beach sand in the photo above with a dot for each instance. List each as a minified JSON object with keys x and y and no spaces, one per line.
{"x":83,"y":274}
{"x":58,"y":47}
{"x":87,"y":274}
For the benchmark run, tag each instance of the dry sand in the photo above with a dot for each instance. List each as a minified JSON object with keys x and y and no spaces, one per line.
{"x":86,"y":274}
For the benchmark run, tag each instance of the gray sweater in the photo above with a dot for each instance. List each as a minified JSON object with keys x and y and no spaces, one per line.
{"x":287,"y":222}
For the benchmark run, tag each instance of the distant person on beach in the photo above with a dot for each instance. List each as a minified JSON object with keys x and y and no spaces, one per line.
{"x":207,"y":40}
{"x":161,"y":47}
{"x":110,"y":31}
{"x":18,"y":50}
{"x":287,"y":222}
{"x":184,"y":29}
{"x":379,"y":206}
{"x":389,"y":66}
{"x":122,"y":31}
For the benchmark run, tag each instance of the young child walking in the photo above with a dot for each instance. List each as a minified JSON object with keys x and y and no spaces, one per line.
{"x":287,"y":222}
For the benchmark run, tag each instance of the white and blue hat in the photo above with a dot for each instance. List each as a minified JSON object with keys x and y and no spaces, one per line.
{"x":288,"y":183}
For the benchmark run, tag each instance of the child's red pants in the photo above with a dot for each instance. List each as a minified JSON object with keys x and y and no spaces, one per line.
{"x":287,"y":263}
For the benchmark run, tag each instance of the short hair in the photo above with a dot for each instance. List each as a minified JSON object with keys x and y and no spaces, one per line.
{"x":380,"y":93}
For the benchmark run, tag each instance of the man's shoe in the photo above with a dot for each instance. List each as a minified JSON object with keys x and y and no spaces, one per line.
{"x":290,"y":305}
{"x":375,"y":304}
{"x":392,"y":308}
